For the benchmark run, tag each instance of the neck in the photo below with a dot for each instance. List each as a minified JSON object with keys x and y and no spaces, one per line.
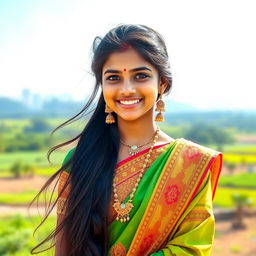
{"x":136,"y":132}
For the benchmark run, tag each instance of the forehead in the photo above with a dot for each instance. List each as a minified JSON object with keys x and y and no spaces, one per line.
{"x":127,"y":59}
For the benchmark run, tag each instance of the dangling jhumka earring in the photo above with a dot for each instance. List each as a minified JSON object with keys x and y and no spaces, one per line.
{"x":109,"y":118}
{"x":160,"y":107}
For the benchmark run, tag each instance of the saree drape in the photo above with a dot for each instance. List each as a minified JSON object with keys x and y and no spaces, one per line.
{"x":172,"y":212}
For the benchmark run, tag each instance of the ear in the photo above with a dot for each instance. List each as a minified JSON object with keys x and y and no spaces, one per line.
{"x":162,"y":85}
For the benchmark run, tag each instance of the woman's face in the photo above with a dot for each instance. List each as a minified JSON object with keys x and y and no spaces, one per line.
{"x":130,"y":84}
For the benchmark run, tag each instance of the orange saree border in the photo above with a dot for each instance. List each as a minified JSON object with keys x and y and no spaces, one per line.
{"x":179,"y":182}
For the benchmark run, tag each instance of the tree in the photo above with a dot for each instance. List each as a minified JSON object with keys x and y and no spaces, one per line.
{"x":209,"y":134}
{"x":240,"y":201}
{"x":38,"y":125}
{"x":16,"y":169}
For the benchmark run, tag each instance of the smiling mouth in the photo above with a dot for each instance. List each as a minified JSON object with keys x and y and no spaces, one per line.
{"x":129,"y":102}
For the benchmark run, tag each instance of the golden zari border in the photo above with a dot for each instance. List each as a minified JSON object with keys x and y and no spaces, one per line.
{"x":182,"y":174}
{"x":63,"y":191}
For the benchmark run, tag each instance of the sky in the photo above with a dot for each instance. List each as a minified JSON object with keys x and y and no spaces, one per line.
{"x":45,"y":46}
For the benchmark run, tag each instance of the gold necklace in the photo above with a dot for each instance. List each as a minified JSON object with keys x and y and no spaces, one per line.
{"x":123,"y":209}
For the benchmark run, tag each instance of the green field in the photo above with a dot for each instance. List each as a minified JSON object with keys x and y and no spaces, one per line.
{"x":242,"y":180}
{"x":223,"y":196}
{"x":16,"y":234}
{"x":23,"y":198}
{"x":240,"y":149}
{"x":37,"y":159}
{"x":239,"y":158}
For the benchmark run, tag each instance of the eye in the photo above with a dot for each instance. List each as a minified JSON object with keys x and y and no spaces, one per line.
{"x":113,"y":78}
{"x":141,"y":76}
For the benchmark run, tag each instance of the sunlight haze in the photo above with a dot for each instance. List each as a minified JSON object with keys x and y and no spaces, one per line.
{"x":45,"y":46}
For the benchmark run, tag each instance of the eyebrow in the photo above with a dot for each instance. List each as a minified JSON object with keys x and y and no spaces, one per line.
{"x":132,"y":70}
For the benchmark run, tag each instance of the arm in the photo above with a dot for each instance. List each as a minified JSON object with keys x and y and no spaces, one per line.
{"x":61,"y":242}
{"x":195,"y":231}
{"x":61,"y":247}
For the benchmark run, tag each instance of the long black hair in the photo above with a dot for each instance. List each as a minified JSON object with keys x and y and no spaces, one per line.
{"x":94,"y":159}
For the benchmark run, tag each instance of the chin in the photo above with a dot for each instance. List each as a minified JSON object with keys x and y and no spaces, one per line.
{"x":129,"y":118}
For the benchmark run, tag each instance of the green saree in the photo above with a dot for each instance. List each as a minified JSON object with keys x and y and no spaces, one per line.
{"x":172,"y":212}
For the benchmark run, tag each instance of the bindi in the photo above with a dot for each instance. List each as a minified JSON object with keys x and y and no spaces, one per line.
{"x":124,"y":69}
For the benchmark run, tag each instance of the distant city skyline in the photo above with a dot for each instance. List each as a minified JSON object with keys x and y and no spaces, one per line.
{"x":45,"y":46}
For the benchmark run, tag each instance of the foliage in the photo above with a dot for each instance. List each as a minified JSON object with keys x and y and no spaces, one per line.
{"x":26,"y":142}
{"x":223,"y":197}
{"x":33,"y":134}
{"x":242,"y":121}
{"x":241,"y":199}
{"x":16,"y":169}
{"x":33,"y":158}
{"x":38,"y":125}
{"x":19,"y":168}
{"x":242,"y":180}
{"x":23,"y":198}
{"x":16,"y":234}
{"x":206,"y":134}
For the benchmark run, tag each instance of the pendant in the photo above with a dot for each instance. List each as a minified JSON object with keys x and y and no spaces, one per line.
{"x":123,"y":211}
{"x":133,"y":150}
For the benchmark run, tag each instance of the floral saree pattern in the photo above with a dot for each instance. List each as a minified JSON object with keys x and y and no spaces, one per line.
{"x":172,"y":205}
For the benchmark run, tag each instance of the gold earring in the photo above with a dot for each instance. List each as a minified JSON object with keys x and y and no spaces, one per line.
{"x":160,"y":107}
{"x":109,"y":118}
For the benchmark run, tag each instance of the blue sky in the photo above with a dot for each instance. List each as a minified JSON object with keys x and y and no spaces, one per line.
{"x":45,"y":46}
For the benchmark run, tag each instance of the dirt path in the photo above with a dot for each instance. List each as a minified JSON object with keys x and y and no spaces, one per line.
{"x":22,"y":210}
{"x":12,"y":185}
{"x":229,"y":242}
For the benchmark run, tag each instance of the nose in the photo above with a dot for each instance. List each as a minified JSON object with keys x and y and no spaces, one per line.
{"x":127,"y":89}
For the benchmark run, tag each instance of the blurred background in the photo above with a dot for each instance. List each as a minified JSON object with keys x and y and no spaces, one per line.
{"x":45,"y":78}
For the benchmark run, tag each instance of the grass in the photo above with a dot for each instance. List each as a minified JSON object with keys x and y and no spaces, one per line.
{"x":240,"y":149}
{"x":242,"y":180}
{"x":42,"y":171}
{"x":223,"y":196}
{"x":33,"y":158}
{"x":47,"y":171}
{"x":16,"y":234}
{"x":23,"y":198}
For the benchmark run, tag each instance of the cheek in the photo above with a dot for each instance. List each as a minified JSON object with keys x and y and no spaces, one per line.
{"x":151,"y":93}
{"x":108,"y":94}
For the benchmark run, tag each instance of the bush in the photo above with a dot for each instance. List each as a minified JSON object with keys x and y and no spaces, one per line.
{"x":15,"y":236}
{"x":18,"y":168}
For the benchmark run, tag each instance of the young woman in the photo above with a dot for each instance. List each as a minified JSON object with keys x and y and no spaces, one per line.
{"x":128,"y":188}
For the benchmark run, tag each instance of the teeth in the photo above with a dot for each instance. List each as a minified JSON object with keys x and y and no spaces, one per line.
{"x":129,"y":102}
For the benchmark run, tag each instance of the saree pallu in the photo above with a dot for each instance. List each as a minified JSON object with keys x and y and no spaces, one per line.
{"x":172,"y":212}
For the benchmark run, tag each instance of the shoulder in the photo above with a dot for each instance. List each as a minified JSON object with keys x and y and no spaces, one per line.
{"x":191,"y":146}
{"x":204,"y":158}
